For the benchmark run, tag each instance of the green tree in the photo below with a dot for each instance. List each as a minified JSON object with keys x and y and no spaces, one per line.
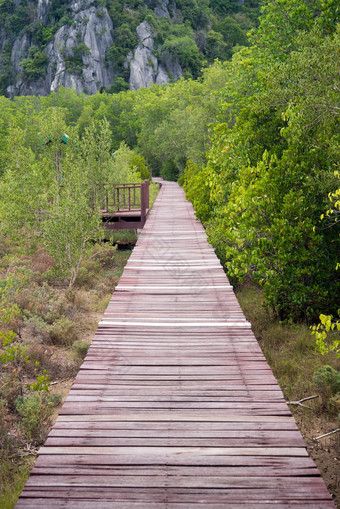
{"x":274,"y":147}
{"x":34,"y":67}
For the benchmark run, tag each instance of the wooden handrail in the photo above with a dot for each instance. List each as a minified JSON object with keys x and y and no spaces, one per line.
{"x":127,"y":197}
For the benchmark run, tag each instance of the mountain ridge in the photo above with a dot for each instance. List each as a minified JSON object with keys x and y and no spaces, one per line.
{"x":95,"y":45}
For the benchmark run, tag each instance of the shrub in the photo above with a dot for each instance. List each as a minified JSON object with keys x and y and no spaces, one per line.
{"x":34,"y":67}
{"x":13,"y":353}
{"x":105,"y":254}
{"x":77,"y":300}
{"x":10,"y":389}
{"x":41,"y":263}
{"x":139,"y":164}
{"x":13,"y":356}
{"x":11,"y":287}
{"x":327,"y":382}
{"x":74,"y":60}
{"x":42,"y":355}
{"x":63,"y":332}
{"x":3,"y":428}
{"x":42,"y":301}
{"x":81,"y":347}
{"x":35,"y":411}
{"x":37,"y":329}
{"x":88,"y":273}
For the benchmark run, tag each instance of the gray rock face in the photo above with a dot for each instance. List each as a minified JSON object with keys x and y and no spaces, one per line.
{"x":42,"y":10}
{"x":76,"y":54}
{"x":144,"y":65}
{"x":145,"y":70}
{"x":92,"y":27}
{"x":95,"y":32}
{"x":161,"y":9}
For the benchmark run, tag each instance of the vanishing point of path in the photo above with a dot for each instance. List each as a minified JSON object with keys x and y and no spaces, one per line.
{"x":174,"y":406}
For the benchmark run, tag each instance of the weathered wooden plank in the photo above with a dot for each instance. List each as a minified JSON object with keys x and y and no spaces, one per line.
{"x":169,"y":451}
{"x":116,"y":470}
{"x":107,"y":504}
{"x":177,"y":426}
{"x":175,"y":417}
{"x":284,"y":464}
{"x":100,"y":441}
{"x":181,"y":495}
{"x":163,"y":479}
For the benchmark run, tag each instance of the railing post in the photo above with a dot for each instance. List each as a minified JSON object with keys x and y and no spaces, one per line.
{"x":147,"y":194}
{"x":144,"y":200}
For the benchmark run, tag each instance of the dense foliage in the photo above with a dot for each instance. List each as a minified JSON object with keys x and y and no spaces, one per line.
{"x":53,"y":184}
{"x":197,"y":32}
{"x":272,"y":161}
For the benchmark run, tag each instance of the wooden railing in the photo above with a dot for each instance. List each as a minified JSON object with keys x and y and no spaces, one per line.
{"x":126,"y":197}
{"x":126,"y":200}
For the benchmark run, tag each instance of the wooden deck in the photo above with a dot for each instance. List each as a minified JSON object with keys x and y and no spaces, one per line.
{"x":174,"y":406}
{"x":126,"y":206}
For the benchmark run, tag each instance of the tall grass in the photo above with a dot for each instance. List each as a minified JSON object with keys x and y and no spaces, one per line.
{"x":13,"y":477}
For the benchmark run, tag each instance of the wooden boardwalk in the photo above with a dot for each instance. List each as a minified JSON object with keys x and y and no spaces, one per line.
{"x":174,"y":406}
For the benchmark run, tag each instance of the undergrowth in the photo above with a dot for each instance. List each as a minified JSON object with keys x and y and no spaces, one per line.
{"x":288,"y":347}
{"x":45,"y":332}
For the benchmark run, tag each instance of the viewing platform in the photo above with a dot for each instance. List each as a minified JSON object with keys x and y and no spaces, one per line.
{"x":126,"y":206}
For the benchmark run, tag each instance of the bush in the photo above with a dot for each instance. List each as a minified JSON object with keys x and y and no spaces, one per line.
{"x":139,"y":164}
{"x":169,"y":171}
{"x":42,"y":355}
{"x":37,"y":329}
{"x":63,"y":332}
{"x":10,"y":389}
{"x":88,"y":273}
{"x":327,"y":382}
{"x":4,"y":437}
{"x":35,"y":411}
{"x":81,"y":347}
{"x":34,"y":67}
{"x":185,"y":49}
{"x":106,"y":254}
{"x":43,"y":301}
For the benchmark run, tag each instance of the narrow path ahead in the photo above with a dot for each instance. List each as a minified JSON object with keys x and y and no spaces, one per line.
{"x":175,"y":406}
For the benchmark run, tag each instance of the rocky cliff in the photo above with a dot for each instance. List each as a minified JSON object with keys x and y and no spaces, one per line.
{"x":145,"y":69}
{"x":76,"y":56}
{"x":91,"y":45}
{"x":84,"y":42}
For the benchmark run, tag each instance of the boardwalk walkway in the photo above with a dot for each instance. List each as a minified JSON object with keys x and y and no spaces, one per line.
{"x":175,"y":406}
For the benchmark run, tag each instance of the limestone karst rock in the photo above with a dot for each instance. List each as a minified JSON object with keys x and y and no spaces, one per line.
{"x":91,"y":30}
{"x":145,"y":69}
